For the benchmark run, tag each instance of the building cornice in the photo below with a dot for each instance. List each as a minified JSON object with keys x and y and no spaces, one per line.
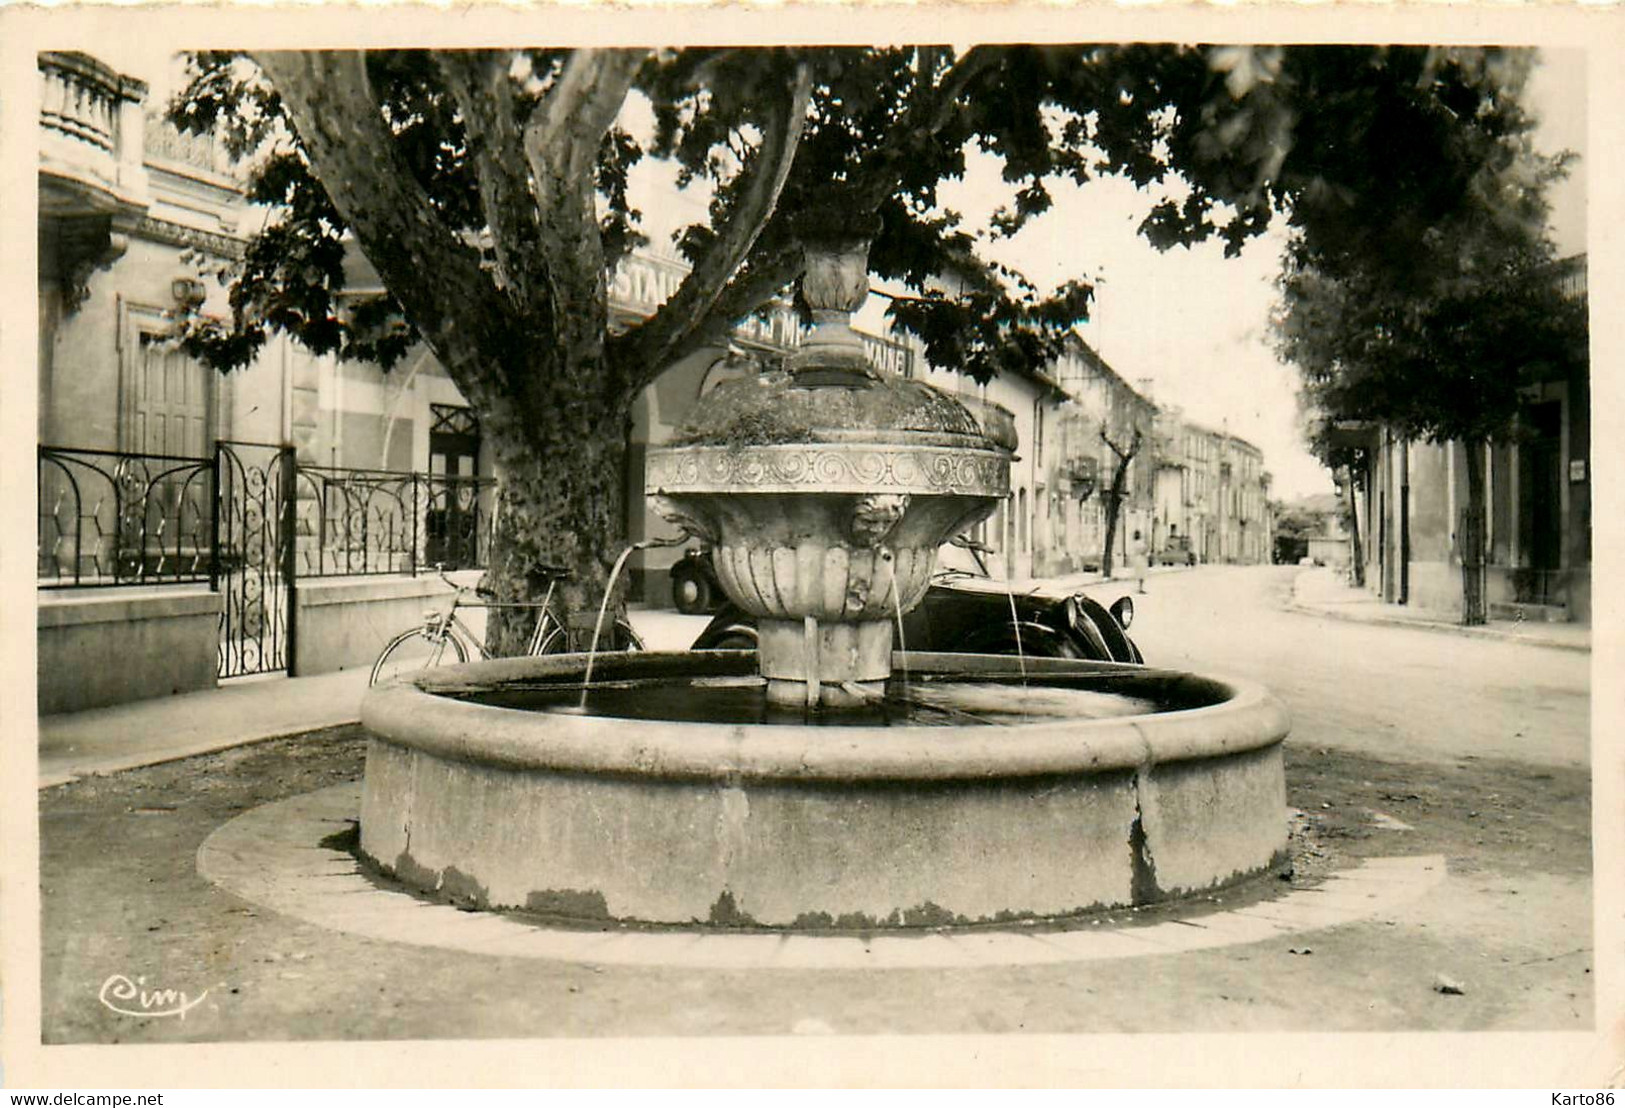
{"x":176,"y":234}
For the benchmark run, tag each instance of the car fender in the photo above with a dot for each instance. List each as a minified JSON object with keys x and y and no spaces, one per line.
{"x":1119,"y":647}
{"x":727,"y":623}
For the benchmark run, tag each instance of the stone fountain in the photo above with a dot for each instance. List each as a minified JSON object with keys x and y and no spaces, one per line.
{"x":824,"y":492}
{"x":810,"y":787}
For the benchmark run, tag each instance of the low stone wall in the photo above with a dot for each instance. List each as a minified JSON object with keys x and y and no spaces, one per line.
{"x":111,"y":646}
{"x":345,"y":621}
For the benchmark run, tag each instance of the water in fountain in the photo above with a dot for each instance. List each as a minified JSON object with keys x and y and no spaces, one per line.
{"x":926,"y":702}
{"x":603,"y":609}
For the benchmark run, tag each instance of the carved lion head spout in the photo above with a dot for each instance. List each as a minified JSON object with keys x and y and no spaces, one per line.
{"x":685,"y":521}
{"x":874,"y":516}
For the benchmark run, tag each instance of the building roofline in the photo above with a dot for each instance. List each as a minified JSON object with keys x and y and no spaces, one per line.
{"x":1206,"y":430}
{"x":1076,"y":340}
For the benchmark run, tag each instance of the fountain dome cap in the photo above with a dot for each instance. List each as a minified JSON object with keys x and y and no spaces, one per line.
{"x":780,"y":407}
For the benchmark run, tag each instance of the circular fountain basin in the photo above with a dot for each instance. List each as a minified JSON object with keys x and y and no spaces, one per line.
{"x":987,"y":790}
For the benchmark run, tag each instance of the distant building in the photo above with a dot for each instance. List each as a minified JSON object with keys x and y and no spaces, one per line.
{"x":1313,"y":528}
{"x":1100,"y":404}
{"x":1212,"y":495}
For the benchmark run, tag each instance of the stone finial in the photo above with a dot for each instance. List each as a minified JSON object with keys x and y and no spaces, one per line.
{"x":834,"y":283}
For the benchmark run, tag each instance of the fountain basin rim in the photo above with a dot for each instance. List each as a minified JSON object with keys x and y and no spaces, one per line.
{"x":417,"y":715}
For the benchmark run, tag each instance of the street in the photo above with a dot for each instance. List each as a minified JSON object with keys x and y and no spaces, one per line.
{"x":1406,"y":744}
{"x":1390,"y":692}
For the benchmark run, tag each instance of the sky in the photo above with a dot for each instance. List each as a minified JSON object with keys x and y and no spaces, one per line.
{"x":1189,"y":327}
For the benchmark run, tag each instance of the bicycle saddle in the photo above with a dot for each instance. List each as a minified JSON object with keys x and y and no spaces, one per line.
{"x":545,"y":571}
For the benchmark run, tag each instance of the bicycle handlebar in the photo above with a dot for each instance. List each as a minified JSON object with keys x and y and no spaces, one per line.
{"x":482,"y":591}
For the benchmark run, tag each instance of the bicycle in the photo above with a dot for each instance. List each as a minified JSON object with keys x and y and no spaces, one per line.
{"x":428,"y":644}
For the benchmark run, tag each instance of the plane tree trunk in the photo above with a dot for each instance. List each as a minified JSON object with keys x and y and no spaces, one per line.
{"x":523,"y":335}
{"x":1117,"y":493}
{"x":1356,"y":550}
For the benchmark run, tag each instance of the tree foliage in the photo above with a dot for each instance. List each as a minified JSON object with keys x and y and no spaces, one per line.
{"x":1363,"y":146}
{"x":1434,"y":333}
{"x":489,"y":191}
{"x":1437,"y":335}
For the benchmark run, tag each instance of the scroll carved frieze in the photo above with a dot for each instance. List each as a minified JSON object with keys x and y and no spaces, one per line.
{"x":829,"y":468}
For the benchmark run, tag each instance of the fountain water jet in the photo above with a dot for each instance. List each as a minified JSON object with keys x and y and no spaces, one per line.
{"x":797,"y":794}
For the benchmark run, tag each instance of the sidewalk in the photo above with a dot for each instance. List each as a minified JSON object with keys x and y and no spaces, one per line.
{"x":146,"y":732}
{"x":242,"y":711}
{"x":1323,"y":592}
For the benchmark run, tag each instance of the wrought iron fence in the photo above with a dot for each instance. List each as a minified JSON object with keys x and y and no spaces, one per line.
{"x":249,"y":522}
{"x":120,"y":518}
{"x":253,"y":558}
{"x":359,"y":521}
{"x":108,"y":518}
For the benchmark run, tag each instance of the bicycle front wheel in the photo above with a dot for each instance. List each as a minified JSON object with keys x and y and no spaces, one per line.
{"x":414,"y":651}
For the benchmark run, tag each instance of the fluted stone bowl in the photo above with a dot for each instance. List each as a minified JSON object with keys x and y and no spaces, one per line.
{"x":824,"y":504}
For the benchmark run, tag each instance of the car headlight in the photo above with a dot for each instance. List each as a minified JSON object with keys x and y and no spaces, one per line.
{"x":1123,"y":612}
{"x":1074,"y":613}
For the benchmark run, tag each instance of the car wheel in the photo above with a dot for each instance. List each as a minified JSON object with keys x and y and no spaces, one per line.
{"x":690,"y":593}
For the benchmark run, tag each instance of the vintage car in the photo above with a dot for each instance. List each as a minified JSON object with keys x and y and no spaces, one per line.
{"x":965,"y":611}
{"x":1177,"y":552}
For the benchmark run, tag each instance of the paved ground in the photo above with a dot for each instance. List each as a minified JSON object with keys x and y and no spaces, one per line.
{"x":1407,"y":743}
{"x":122,"y":895}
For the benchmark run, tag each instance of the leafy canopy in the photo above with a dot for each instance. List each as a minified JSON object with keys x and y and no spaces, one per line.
{"x":1365,"y":149}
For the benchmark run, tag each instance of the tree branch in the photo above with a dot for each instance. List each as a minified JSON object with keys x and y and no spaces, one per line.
{"x":563,"y":138}
{"x":752,"y":286}
{"x":920,"y":122}
{"x":771,"y":267}
{"x":433,"y":274}
{"x":1122,"y":454}
{"x":690,"y":311}
{"x":561,"y":143}
{"x":480,"y":83}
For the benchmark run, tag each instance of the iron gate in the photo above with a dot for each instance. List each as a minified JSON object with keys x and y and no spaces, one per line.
{"x":253,"y":557}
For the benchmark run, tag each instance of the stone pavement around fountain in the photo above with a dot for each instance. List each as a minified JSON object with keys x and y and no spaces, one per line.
{"x":106,"y":740}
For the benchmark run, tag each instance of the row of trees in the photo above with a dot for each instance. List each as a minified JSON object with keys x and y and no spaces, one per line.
{"x":489,"y":190}
{"x":1436,"y":336}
